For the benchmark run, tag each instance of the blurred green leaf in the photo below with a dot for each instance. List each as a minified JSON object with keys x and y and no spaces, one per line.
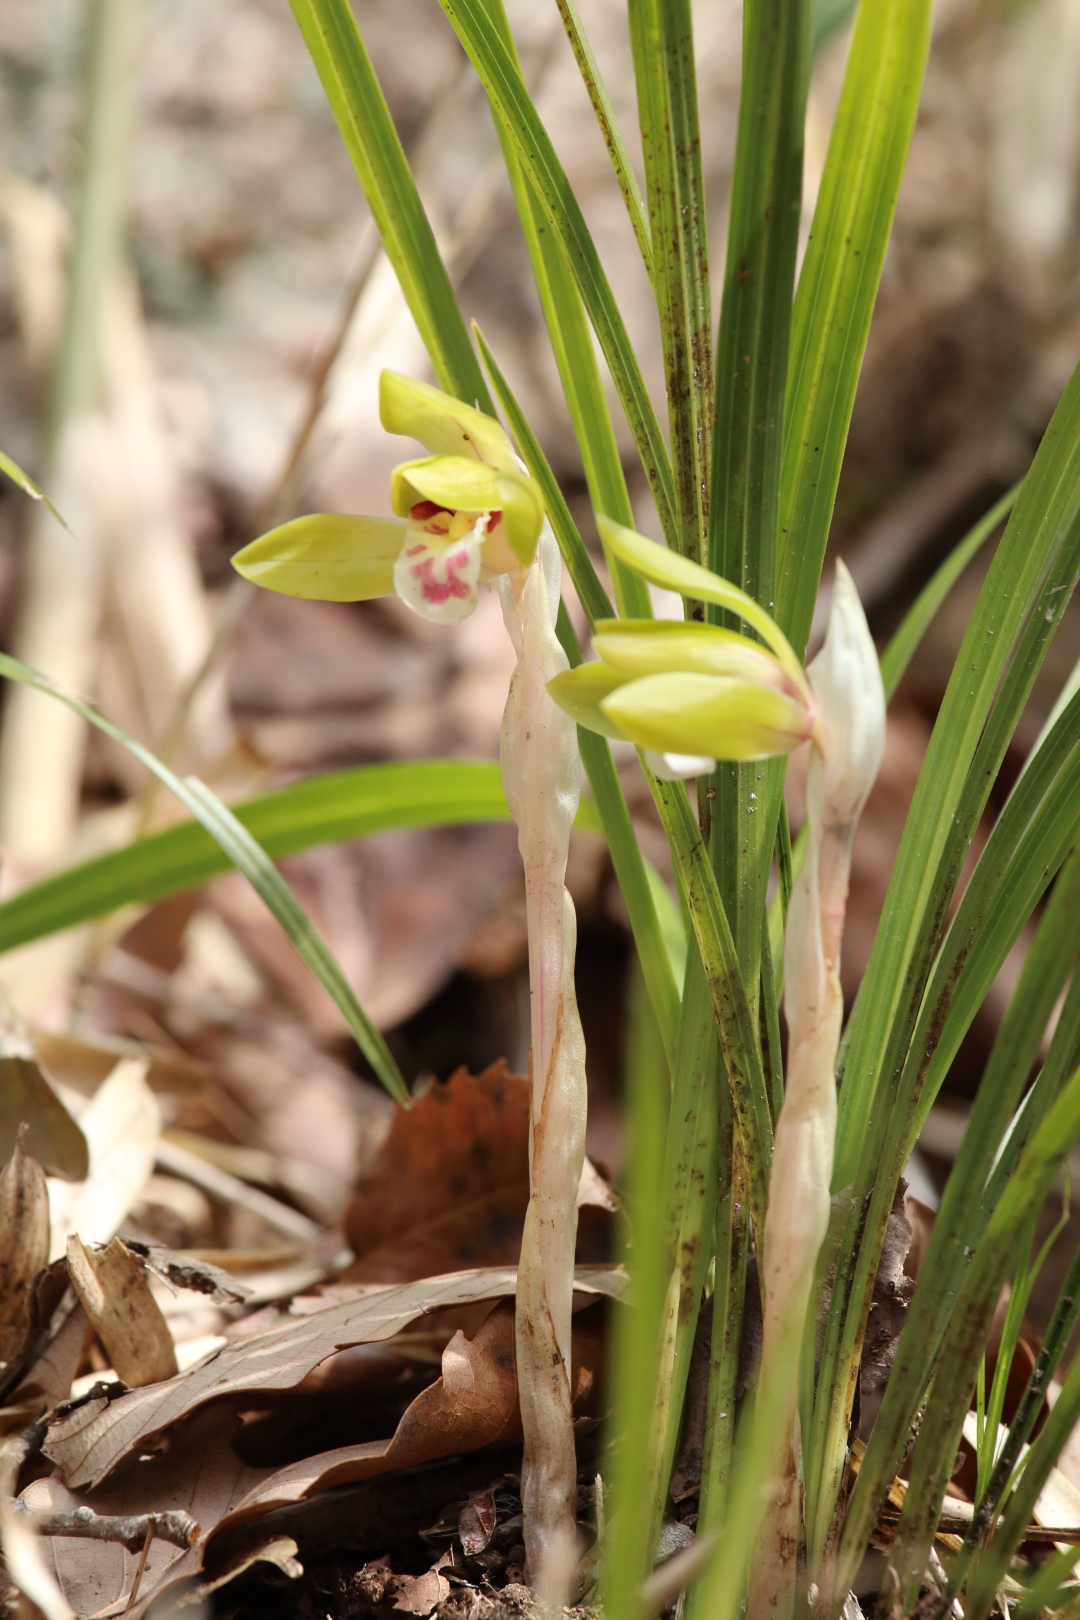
{"x":27,"y":485}
{"x":243,"y":852}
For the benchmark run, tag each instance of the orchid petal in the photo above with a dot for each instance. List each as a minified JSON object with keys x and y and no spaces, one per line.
{"x":444,"y":425}
{"x":579,"y":693}
{"x":328,"y":557}
{"x":461,"y":485}
{"x":689,"y":714}
{"x":436,"y":578}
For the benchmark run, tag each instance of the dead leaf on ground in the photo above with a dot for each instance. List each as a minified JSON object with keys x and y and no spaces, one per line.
{"x":115,"y":1294}
{"x":89,"y":1443}
{"x":419,"y":1594}
{"x":450,"y":1185}
{"x":473,"y":1404}
{"x":24,"y":1559}
{"x":200,"y":1473}
{"x":121,"y":1123}
{"x":83,"y":1062}
{"x":24,"y":1244}
{"x":476,"y":1522}
{"x":26,"y":1098}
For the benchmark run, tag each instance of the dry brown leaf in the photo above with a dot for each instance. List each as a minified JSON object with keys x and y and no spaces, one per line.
{"x":460,"y":1142}
{"x":115,"y":1293}
{"x":57,"y":1361}
{"x":450,"y":1185}
{"x":26,"y":1098}
{"x":199,"y":1473}
{"x":24,"y":1559}
{"x":89,"y":1443}
{"x":473,"y":1404}
{"x":419,"y":1594}
{"x":121,"y":1123}
{"x":476,"y":1522}
{"x":83,"y":1062}
{"x":24,"y":1244}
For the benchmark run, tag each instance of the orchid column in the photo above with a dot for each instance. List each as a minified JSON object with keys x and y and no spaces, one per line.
{"x":468,"y":515}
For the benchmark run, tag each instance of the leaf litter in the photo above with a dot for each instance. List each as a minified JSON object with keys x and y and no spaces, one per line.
{"x":399,"y":1366}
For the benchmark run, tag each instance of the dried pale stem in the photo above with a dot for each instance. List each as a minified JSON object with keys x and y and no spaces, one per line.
{"x":129,"y":1529}
{"x":847,"y":747}
{"x":541,"y":776}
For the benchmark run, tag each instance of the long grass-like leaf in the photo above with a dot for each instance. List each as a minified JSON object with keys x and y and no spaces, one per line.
{"x":28,"y":487}
{"x":935,"y":1450}
{"x":909,"y":633}
{"x":513,"y":106}
{"x":839,"y":282}
{"x":609,"y":129}
{"x":251,"y":859}
{"x":1032,"y":574}
{"x":358,"y":104}
{"x":661,"y":32}
{"x":328,"y":809}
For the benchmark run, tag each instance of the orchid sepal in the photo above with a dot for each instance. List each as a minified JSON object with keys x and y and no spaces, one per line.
{"x":580,"y":693}
{"x":657,"y":646}
{"x":326,"y":557}
{"x":443,"y":425}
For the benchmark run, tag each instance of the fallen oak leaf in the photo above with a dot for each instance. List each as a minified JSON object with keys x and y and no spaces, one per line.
{"x":449,"y":1187}
{"x":87,"y":1444}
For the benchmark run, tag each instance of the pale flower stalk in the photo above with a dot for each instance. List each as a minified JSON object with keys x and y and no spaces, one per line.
{"x":468,"y":515}
{"x":847,"y":744}
{"x":541,"y":776}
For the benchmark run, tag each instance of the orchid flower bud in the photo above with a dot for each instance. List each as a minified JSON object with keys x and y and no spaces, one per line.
{"x":686,"y":692}
{"x":465,"y":514}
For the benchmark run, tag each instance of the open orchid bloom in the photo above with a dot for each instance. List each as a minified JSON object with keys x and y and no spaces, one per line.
{"x":464,"y":515}
{"x":686,"y":692}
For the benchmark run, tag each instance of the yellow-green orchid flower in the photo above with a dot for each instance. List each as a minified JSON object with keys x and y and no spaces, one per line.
{"x":464,"y":514}
{"x":686,"y":692}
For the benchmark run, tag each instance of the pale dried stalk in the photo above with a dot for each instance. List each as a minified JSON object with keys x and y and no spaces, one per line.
{"x":847,"y":746}
{"x":541,"y":775}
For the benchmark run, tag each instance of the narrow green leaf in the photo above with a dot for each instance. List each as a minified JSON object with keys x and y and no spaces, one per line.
{"x":969,"y":1325}
{"x":1032,"y":575}
{"x":358,"y":104}
{"x":609,"y":129}
{"x":661,"y":32}
{"x":513,"y":107}
{"x":249,"y":858}
{"x":28,"y":487}
{"x":329,"y":809}
{"x":839,"y":282}
{"x":908,"y":635}
{"x":1050,"y":960}
{"x":739,"y":1041}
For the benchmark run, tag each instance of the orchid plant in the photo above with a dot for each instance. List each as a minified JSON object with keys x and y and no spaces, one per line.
{"x":759,"y":1172}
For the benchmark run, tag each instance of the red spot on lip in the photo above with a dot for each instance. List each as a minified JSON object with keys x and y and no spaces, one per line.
{"x":423,"y":511}
{"x":437,"y":591}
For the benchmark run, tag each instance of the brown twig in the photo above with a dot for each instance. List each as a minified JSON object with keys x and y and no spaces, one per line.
{"x":131,"y":1530}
